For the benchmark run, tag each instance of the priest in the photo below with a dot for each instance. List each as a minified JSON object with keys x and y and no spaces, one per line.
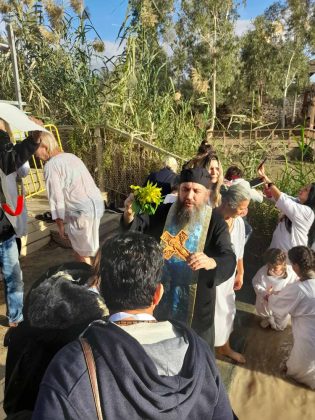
{"x":197,"y":251}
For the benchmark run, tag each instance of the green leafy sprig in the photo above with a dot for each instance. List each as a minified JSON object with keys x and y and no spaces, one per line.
{"x":146,"y":199}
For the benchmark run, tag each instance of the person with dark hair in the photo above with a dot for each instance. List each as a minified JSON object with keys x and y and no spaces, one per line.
{"x":298,"y":300}
{"x":274,"y":276}
{"x":233,"y":173}
{"x":190,"y":281}
{"x":205,"y":147}
{"x":57,"y":309}
{"x":143,"y":369}
{"x":297,"y":223}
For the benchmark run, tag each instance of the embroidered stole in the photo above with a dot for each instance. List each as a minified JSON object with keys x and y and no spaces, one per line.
{"x":179,"y":281}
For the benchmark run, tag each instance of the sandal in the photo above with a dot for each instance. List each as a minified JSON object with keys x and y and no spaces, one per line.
{"x":45,"y":217}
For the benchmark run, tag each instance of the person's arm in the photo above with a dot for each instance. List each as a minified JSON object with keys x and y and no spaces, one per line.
{"x":239,"y":278}
{"x":259,"y":284}
{"x":219,"y":249}
{"x":285,"y":301}
{"x":54,"y":187}
{"x":24,"y":170}
{"x":273,"y":190}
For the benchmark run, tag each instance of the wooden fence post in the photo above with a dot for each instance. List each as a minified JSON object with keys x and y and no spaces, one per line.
{"x":99,"y":146}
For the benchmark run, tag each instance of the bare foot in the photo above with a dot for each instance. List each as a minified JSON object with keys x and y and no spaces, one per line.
{"x":234,"y":355}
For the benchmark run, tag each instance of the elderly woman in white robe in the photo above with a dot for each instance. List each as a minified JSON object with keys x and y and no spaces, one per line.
{"x":298,"y":300}
{"x":234,"y":204}
{"x":73,"y":197}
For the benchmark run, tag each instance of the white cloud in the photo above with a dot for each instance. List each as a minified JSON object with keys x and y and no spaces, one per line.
{"x":242,"y":26}
{"x":112,"y":50}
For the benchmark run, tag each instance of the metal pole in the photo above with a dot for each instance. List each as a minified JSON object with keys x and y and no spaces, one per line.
{"x":11,"y":41}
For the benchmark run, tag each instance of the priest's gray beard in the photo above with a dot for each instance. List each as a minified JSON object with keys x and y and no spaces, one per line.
{"x":185,"y":216}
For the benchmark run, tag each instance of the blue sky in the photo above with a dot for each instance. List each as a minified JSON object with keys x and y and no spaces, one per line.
{"x":107,"y":15}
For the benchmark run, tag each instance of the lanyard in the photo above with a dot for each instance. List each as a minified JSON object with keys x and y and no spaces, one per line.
{"x":119,"y":316}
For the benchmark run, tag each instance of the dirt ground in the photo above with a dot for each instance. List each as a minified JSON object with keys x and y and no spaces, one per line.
{"x":258,"y":390}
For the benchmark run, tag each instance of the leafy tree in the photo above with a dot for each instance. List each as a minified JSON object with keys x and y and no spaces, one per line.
{"x":275,"y":53}
{"x":54,"y":57}
{"x":206,"y":50}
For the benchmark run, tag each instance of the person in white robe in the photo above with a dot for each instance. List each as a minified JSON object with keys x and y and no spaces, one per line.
{"x":73,"y":196}
{"x":297,"y":222}
{"x":274,"y":276}
{"x":235,"y":202}
{"x":298,"y":300}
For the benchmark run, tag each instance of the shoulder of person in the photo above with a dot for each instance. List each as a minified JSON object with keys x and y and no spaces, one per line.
{"x":66,"y":368}
{"x":217,"y":218}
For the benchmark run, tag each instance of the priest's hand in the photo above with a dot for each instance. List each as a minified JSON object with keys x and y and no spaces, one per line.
{"x":199,"y":260}
{"x":238,"y":282}
{"x":129,"y":214}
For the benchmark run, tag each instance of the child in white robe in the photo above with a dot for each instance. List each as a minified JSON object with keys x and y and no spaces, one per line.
{"x":298,"y":300}
{"x":270,"y":279}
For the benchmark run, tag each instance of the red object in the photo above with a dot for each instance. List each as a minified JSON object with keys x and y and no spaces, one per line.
{"x":19,"y":207}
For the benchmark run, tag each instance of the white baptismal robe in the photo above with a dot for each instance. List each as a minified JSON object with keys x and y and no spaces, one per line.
{"x":302,"y":218}
{"x":74,"y":197}
{"x":298,"y":300}
{"x":263,"y":284}
{"x":225,"y":296}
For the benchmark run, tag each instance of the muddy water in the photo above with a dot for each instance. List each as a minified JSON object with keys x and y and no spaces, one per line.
{"x":260,"y":389}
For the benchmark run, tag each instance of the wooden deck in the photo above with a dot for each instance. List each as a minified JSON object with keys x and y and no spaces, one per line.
{"x":40,"y":233}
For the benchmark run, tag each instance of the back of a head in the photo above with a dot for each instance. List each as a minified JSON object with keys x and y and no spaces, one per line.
{"x":131,"y":268}
{"x":205,"y":147}
{"x":304,"y":258}
{"x":57,"y":298}
{"x":235,"y":194}
{"x":233,"y":172}
{"x":171,"y":163}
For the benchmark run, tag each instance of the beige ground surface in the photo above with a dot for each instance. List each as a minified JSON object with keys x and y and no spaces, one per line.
{"x":260,"y":390}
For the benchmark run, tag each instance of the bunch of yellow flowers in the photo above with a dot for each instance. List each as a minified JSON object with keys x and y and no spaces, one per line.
{"x":147,"y":199}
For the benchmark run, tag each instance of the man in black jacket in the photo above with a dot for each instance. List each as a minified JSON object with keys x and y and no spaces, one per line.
{"x":12,"y":157}
{"x":145,"y":369}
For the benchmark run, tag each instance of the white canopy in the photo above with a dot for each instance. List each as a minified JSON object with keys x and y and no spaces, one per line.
{"x":17,"y":119}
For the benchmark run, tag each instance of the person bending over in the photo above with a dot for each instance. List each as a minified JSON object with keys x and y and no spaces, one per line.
{"x":73,"y":197}
{"x":145,"y":369}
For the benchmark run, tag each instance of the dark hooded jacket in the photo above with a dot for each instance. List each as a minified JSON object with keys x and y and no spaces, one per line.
{"x":56,"y":311}
{"x":129,"y":384}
